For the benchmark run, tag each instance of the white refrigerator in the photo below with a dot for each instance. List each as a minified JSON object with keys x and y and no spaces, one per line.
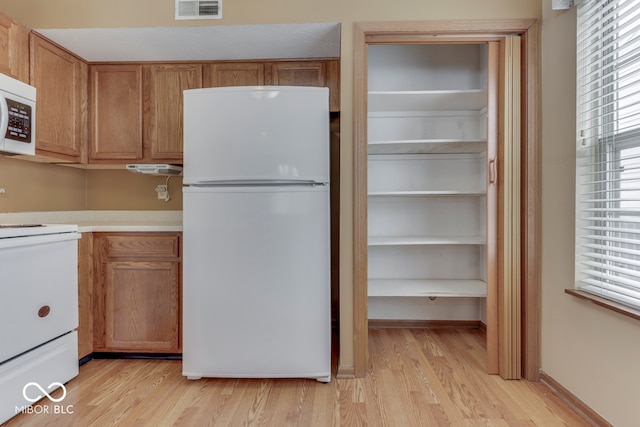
{"x":256,"y":261}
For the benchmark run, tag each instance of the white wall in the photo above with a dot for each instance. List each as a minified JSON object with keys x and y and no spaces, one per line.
{"x":591,"y":351}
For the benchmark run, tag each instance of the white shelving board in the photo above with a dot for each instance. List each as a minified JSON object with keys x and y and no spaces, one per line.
{"x":427,"y":288}
{"x":425,"y":240}
{"x":427,"y":100}
{"x":427,"y":193}
{"x":427,"y":146}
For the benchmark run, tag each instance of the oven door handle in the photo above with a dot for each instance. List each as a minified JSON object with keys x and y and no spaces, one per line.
{"x":14,"y":242}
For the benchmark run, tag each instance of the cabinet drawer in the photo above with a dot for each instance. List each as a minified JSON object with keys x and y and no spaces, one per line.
{"x":142,"y":245}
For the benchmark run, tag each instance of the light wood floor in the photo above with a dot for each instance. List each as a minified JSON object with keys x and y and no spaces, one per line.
{"x":417,"y":377}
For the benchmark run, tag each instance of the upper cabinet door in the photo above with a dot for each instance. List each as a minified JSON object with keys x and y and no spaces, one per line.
{"x":308,"y":73}
{"x":116,"y":113}
{"x":234,"y":74}
{"x":14,"y":49}
{"x":163,"y":108}
{"x":61,"y":81}
{"x":299,"y":73}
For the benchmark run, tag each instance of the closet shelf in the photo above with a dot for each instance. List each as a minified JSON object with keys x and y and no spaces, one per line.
{"x":427,"y":288}
{"x":428,"y":146}
{"x":428,"y":100}
{"x":425,"y":240}
{"x":427,"y":193}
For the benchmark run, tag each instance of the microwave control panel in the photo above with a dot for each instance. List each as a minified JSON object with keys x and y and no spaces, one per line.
{"x":20,"y":123}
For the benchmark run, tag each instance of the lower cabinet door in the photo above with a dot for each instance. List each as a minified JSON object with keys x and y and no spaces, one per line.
{"x":137,"y":293}
{"x":142,"y":306}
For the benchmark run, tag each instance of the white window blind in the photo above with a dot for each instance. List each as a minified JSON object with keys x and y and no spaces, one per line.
{"x":608,"y":150}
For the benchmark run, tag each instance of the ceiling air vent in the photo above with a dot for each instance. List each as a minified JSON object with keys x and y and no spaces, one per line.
{"x":198,"y":9}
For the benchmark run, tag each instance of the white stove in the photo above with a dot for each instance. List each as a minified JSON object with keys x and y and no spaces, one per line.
{"x":38,"y":312}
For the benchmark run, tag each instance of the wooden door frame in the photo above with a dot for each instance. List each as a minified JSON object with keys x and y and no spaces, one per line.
{"x":529,"y":207}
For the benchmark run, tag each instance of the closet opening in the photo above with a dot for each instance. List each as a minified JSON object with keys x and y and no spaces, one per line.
{"x":444,"y":212}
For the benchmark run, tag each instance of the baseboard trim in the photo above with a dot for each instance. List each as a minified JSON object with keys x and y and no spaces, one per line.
{"x":346,"y":372}
{"x":483,"y":327}
{"x":131,"y":355}
{"x":85,"y":359}
{"x":424,"y":324}
{"x":572,"y":401}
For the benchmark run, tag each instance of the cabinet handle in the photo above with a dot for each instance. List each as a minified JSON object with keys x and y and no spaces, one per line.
{"x":492,"y":171}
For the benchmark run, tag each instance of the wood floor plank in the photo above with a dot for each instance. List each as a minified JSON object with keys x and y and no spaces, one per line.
{"x":416,"y":377}
{"x":290,"y":401}
{"x":437,"y":388}
{"x":352,"y":411}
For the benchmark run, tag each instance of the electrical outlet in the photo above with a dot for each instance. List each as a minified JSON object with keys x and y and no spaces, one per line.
{"x":162,"y":192}
{"x":2,"y":192}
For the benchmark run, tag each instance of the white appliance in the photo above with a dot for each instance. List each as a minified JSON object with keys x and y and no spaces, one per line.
{"x":256,"y":266}
{"x":17,"y":117}
{"x":38,"y":311}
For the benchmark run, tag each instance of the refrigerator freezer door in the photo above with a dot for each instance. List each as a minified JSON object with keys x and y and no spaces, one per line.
{"x":256,"y":133}
{"x":256,"y":291}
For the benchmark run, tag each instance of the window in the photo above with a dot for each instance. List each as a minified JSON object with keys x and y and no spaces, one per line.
{"x":608,"y":150}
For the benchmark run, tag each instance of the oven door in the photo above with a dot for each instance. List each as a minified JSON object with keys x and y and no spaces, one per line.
{"x":38,"y":290}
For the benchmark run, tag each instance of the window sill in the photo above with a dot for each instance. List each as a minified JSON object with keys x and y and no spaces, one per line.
{"x":605,"y":303}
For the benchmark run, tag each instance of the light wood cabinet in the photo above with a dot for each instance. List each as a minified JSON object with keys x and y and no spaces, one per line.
{"x":322,"y":73}
{"x":60,"y":79}
{"x":299,"y":73}
{"x":234,"y":74}
{"x":163,"y":108}
{"x":116,"y":113}
{"x":14,"y":49}
{"x":136,"y":109}
{"x":333,"y":83}
{"x":428,"y":182}
{"x":138,"y":292}
{"x":85,"y":295}
{"x":309,"y":73}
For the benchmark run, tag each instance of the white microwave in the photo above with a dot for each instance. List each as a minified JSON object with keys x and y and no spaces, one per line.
{"x":17,"y":117}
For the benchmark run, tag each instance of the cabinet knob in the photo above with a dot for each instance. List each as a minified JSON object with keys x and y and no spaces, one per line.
{"x":44,"y":311}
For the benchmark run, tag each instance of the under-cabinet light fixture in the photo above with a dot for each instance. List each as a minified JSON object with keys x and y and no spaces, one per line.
{"x":155,"y":169}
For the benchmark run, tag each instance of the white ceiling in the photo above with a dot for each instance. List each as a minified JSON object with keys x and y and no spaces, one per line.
{"x":272,"y":41}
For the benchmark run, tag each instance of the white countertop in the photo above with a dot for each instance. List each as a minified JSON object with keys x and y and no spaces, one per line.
{"x":96,"y":221}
